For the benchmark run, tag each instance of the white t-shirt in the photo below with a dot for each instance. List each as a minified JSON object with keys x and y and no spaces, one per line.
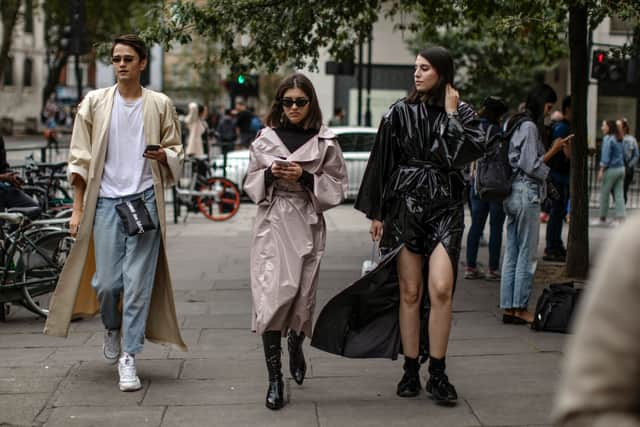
{"x":126,"y":172}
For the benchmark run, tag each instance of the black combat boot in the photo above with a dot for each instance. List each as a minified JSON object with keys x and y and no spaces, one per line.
{"x":409,"y":385}
{"x":441,"y":390}
{"x":297,"y":365}
{"x":272,"y":350}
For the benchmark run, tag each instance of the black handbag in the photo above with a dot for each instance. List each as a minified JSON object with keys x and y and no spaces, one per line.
{"x":135,"y":217}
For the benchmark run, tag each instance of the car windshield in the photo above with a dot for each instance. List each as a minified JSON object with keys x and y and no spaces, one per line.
{"x":359,"y":142}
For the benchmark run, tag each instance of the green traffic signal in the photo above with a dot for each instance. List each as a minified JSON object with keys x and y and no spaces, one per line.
{"x":241,"y":79}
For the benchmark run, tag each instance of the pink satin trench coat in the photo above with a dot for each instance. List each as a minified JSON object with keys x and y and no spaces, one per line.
{"x":289,"y":233}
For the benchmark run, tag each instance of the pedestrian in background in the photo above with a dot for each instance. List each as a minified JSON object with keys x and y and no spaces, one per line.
{"x":493,"y":108}
{"x":413,"y":193}
{"x":527,"y":158}
{"x":338,"y":118}
{"x":195,"y":128}
{"x":559,"y":175}
{"x":296,"y":172}
{"x":125,"y":148}
{"x":611,"y":173}
{"x":243,"y":125}
{"x":631,"y":155}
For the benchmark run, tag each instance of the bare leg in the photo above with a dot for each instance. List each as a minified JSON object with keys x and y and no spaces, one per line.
{"x":440,"y":295}
{"x":410,"y":282}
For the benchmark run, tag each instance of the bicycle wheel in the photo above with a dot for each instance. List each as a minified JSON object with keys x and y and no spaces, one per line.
{"x":223,"y":203}
{"x":42,"y":267}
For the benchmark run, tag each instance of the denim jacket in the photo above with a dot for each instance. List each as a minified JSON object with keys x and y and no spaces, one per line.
{"x":612,"y":154}
{"x":526,"y":156}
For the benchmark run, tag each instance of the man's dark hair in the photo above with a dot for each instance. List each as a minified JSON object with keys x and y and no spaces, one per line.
{"x":442,"y":61}
{"x":566,"y":103}
{"x":133,"y":41}
{"x":276,"y":116}
{"x":337,"y":111}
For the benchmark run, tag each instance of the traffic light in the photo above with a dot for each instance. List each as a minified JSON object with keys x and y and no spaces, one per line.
{"x":243,"y":85}
{"x":606,"y":67}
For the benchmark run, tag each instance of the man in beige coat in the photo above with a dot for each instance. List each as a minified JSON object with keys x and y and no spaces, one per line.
{"x":600,"y":384}
{"x":125,"y":146}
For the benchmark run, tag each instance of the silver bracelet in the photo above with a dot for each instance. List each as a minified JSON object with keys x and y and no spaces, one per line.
{"x":452,"y":115}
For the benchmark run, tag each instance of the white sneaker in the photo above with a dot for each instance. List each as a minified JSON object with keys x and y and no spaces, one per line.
{"x":129,"y":380}
{"x":597,"y":222}
{"x":111,"y":346}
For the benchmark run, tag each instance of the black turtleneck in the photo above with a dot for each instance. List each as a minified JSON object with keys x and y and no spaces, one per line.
{"x":293,"y":138}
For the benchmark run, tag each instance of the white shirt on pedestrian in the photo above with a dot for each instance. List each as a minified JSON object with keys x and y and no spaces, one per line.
{"x":126,"y":172}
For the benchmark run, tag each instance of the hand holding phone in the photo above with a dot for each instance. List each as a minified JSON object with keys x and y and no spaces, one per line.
{"x":282,"y":163}
{"x":151,"y":147}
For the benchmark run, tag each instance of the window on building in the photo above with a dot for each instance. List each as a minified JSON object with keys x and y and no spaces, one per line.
{"x":621,"y":26}
{"x":28,"y":16}
{"x":8,"y":72}
{"x":27,"y":73}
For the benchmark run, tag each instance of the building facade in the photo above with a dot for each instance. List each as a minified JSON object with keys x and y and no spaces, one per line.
{"x":25,"y":74}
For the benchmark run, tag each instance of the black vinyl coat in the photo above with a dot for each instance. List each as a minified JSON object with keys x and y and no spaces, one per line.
{"x":414,"y":184}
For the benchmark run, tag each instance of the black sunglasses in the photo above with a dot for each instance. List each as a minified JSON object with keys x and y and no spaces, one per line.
{"x":288,"y":102}
{"x":126,"y":58}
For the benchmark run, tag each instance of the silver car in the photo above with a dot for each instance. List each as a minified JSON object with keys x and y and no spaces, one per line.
{"x":356,"y":144}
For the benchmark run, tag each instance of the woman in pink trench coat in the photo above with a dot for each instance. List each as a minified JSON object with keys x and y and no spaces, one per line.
{"x":296,"y":172}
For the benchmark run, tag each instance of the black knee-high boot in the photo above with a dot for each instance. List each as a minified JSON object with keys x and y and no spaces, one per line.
{"x":297,"y":364}
{"x":272,"y":352}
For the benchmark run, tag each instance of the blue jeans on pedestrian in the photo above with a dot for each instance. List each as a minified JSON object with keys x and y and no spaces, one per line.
{"x":558,"y":212}
{"x":522,"y":208}
{"x":125,"y":268}
{"x":480,"y":209}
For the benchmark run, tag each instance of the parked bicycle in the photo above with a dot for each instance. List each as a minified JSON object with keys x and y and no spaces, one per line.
{"x":32,"y":254}
{"x":216,"y":197}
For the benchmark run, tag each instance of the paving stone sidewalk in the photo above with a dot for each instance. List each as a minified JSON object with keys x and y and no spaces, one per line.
{"x":505,"y":374}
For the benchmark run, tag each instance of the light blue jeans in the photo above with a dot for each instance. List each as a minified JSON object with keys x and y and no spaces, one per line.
{"x":522,"y":208}
{"x":613,"y":180}
{"x":125,"y":267}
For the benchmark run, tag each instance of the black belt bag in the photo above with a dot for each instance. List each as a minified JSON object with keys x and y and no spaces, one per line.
{"x":135,"y":216}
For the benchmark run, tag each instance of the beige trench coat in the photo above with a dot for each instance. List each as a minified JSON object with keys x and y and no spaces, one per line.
{"x":74,"y":295}
{"x":289,"y":233}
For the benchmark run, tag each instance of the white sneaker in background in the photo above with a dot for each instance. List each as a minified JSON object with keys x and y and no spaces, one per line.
{"x":129,"y":380}
{"x":111,"y":346}
{"x":597,"y":222}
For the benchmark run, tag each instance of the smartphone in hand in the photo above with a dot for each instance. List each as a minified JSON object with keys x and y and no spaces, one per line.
{"x":282,"y":163}
{"x":151,"y":147}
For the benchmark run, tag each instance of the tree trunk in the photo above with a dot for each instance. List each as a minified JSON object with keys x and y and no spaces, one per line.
{"x":578,"y":241}
{"x":62,"y":57}
{"x":9,"y":18}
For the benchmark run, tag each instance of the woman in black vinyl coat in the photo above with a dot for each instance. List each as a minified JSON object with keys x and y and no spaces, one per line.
{"x":412,"y":191}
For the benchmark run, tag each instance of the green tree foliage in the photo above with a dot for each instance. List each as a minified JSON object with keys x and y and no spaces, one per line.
{"x":103,"y":21}
{"x":491,"y":58}
{"x":267,"y":34}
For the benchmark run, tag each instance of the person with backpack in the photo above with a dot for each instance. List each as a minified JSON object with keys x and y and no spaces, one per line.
{"x":631,"y":155}
{"x":527,"y":158}
{"x":611,"y":172}
{"x":493,"y":108}
{"x":227,"y":127}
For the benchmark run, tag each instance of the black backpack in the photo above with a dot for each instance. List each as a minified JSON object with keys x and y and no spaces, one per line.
{"x":555,"y":307}
{"x":494,"y":173}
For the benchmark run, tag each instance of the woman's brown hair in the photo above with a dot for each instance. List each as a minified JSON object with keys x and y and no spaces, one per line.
{"x":441,"y":60}
{"x":277,"y":118}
